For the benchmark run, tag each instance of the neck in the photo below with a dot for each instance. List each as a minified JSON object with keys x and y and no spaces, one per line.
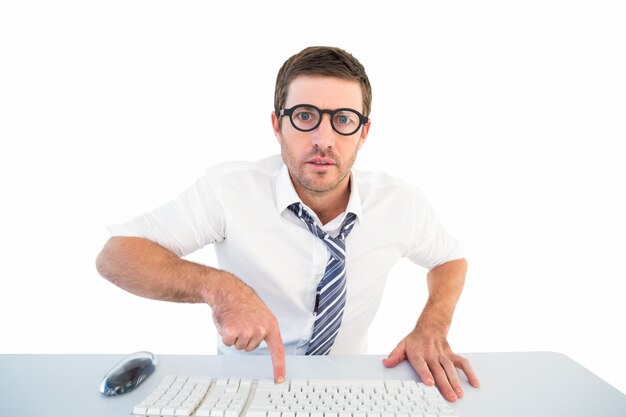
{"x":329,"y":204}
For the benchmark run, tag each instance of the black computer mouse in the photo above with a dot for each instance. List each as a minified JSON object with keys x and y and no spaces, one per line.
{"x":128,"y":373}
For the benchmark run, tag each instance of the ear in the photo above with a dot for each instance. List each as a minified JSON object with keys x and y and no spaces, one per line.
{"x":276,"y":127}
{"x":364,"y":133}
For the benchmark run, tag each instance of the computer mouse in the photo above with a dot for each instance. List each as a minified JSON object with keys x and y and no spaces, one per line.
{"x":128,"y":373}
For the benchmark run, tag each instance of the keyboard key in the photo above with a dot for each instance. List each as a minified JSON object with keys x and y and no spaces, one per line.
{"x":231,"y":412}
{"x":140,"y":409}
{"x":154,"y":411}
{"x":168,"y":411}
{"x":217,"y":412}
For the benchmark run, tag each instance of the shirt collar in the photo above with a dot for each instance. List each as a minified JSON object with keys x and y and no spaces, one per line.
{"x":286,"y":194}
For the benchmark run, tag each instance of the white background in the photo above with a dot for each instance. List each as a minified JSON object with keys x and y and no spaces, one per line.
{"x":510,"y":117}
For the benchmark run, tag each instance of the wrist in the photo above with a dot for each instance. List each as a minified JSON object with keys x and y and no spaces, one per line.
{"x":221,"y":287}
{"x":433,"y":322}
{"x":213,"y":286}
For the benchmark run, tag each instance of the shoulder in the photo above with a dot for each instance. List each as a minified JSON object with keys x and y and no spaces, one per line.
{"x":241,"y":179}
{"x":376,"y":182}
{"x":244,"y":173}
{"x":388,"y":193}
{"x":265,"y":167}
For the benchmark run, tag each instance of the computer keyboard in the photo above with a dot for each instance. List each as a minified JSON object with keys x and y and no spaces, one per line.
{"x":240,"y":397}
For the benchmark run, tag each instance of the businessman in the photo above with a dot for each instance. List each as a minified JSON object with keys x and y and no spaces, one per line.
{"x":304,"y":242}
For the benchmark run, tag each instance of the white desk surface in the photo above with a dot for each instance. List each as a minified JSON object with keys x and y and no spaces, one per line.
{"x":524,"y":384}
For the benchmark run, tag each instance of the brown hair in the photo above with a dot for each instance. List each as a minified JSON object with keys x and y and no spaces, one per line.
{"x":322,"y":60}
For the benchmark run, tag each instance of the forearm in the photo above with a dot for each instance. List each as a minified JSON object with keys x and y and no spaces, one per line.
{"x":146,"y":269}
{"x":445,"y":284}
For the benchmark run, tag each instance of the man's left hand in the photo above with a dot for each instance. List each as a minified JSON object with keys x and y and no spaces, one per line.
{"x":430,"y":355}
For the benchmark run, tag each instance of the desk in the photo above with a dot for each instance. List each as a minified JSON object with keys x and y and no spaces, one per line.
{"x":513,"y":384}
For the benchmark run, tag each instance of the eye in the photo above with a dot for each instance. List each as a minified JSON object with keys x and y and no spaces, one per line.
{"x":345,"y":119}
{"x":305,"y":116}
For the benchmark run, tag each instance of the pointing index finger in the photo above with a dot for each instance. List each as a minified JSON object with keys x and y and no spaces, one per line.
{"x":277,"y":352}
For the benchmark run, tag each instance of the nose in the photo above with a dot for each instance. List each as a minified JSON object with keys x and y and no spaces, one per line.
{"x":324,"y":135}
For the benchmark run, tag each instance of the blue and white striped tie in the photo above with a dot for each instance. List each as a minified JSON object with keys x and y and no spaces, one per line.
{"x":330,"y":299}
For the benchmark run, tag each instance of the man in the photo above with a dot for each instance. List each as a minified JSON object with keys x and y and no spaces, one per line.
{"x":304,"y":242}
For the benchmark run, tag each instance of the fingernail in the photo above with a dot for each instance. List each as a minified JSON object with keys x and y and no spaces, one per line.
{"x":280,"y":380}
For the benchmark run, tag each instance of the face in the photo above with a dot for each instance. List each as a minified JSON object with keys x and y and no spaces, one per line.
{"x":320,"y":161}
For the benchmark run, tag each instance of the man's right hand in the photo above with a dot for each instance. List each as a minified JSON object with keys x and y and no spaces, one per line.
{"x":147,"y":269}
{"x":244,"y":321}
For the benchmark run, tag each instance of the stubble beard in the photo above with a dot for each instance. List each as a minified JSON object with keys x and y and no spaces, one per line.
{"x":308,"y":181}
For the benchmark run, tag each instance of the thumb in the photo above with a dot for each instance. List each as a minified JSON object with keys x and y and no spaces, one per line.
{"x":396,"y":356}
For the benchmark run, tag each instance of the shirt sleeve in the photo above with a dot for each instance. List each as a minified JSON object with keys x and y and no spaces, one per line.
{"x":431,"y":245}
{"x":183,"y":225}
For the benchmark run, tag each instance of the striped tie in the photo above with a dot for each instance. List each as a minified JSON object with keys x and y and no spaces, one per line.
{"x":330,"y":299}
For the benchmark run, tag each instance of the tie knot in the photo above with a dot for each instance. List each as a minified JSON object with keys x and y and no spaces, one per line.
{"x":346,"y":226}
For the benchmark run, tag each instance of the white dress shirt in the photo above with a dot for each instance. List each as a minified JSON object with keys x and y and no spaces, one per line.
{"x":241,"y":208}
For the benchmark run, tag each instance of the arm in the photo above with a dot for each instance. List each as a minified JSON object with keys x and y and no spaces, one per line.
{"x":426,"y":347}
{"x":146,"y":269}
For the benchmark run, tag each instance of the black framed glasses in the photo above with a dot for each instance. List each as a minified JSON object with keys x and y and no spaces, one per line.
{"x":307,"y":117}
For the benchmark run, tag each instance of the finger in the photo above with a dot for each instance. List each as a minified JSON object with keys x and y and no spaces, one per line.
{"x":442,"y":380}
{"x":241,"y":342}
{"x":277,"y":352}
{"x":253,"y":344}
{"x":395,"y":357}
{"x":228,"y":338}
{"x":421,"y":367}
{"x":464,"y":365}
{"x":453,"y":377}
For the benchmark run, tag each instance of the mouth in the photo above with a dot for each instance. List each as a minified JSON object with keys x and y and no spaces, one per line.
{"x":320,"y":161}
{"x":320,"y":164}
